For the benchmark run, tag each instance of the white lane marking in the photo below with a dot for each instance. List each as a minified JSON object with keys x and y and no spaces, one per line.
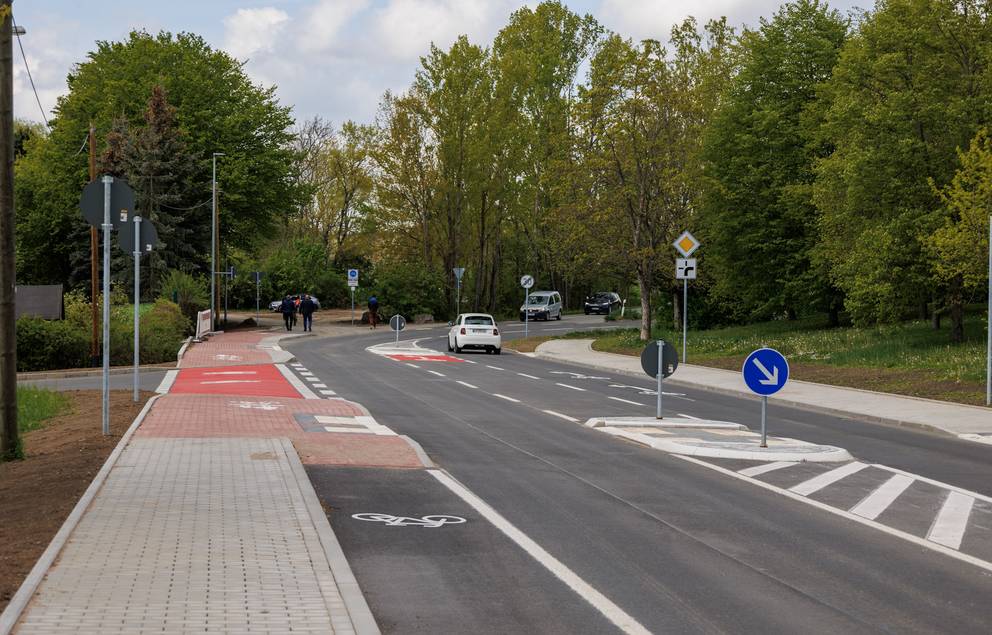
{"x":166,"y":384}
{"x":528,"y":376}
{"x":468,"y":361}
{"x":320,"y":385}
{"x":328,"y":392}
{"x":916,"y":540}
{"x":600,"y":602}
{"x":296,"y":383}
{"x":765,"y":467}
{"x":682,"y":414}
{"x":496,"y":394}
{"x":626,"y":401}
{"x":820,"y":481}
{"x":412,"y":365}
{"x":493,"y":367}
{"x":948,"y":528}
{"x":434,"y":372}
{"x":297,"y":365}
{"x":872,"y":505}
{"x":313,"y":380}
{"x":572,"y":387}
{"x":561,"y":416}
{"x":305,"y":373}
{"x":231,"y":372}
{"x":232,"y":381}
{"x":923,"y":479}
{"x":466,"y":384}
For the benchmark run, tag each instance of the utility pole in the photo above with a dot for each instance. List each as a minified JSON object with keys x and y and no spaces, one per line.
{"x":10,"y":446}
{"x":94,"y":268}
{"x":214,"y":242}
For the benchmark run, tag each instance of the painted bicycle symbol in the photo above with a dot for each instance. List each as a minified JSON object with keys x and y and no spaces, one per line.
{"x":432,"y":522}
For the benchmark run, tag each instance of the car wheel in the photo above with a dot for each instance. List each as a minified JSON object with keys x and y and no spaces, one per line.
{"x":458,"y":349}
{"x":558,"y":317}
{"x":498,"y":351}
{"x":450,"y":348}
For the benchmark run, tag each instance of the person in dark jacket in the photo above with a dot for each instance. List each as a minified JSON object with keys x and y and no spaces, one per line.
{"x":288,"y":308}
{"x":307,"y":307}
{"x":373,"y":311}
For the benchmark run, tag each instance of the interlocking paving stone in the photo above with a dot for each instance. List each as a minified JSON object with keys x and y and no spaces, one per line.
{"x":192,"y":535}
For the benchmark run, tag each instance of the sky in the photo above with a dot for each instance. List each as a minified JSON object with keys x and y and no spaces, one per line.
{"x":333,"y":58}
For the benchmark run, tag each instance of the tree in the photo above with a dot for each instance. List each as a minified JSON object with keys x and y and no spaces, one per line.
{"x":758,"y":218}
{"x":218,"y":109}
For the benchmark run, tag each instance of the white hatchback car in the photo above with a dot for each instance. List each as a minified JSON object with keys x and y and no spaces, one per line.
{"x":474,"y":330}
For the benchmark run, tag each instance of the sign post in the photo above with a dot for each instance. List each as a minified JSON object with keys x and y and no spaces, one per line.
{"x":352,"y":283}
{"x":765,"y":373}
{"x":397,"y":323}
{"x":137,"y":303}
{"x":988,"y":327}
{"x":108,"y":181}
{"x":526,"y":282}
{"x":685,"y":270}
{"x":257,"y":275}
{"x":459,"y":272}
{"x":659,"y":360}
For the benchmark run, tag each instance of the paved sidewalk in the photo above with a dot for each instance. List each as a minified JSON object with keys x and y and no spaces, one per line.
{"x":970,"y":422}
{"x":204,"y":519}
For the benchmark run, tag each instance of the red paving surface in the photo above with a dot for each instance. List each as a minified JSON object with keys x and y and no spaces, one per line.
{"x":424,"y":358}
{"x":227,"y":349}
{"x":260,"y":380}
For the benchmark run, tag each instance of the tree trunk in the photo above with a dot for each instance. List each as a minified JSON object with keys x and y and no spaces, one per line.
{"x":935,"y":319}
{"x":676,"y":310}
{"x":956,"y":310}
{"x":644,"y":284}
{"x":833,"y":313}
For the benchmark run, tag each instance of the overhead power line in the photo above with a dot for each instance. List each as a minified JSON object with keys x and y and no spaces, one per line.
{"x":24,"y":57}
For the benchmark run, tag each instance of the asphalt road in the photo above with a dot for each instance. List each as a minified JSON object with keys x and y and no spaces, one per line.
{"x":676,"y":546}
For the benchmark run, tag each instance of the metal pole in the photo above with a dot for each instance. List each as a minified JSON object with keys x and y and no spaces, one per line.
{"x":107,"y":226}
{"x":988,"y":327}
{"x":10,"y":446}
{"x":137,"y":301}
{"x":661,"y":347}
{"x":764,"y":407}
{"x":213,"y":244}
{"x":526,"y":302}
{"x":353,"y":306}
{"x":685,"y":314}
{"x":227,"y":279}
{"x":94,"y":264}
{"x":458,"y":296}
{"x":397,"y":333}
{"x":258,"y":286}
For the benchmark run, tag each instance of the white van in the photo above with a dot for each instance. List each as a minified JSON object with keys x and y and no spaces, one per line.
{"x":542,"y":305}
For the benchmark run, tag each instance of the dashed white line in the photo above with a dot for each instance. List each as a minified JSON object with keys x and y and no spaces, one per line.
{"x":878,"y":501}
{"x":560,"y":416}
{"x":600,"y":602}
{"x":528,"y":376}
{"x":305,"y":373}
{"x":948,"y":528}
{"x":466,"y":384}
{"x":626,"y":401}
{"x":434,"y":372}
{"x":820,"y":481}
{"x":572,"y":387}
{"x":313,"y":380}
{"x":682,"y":414}
{"x":493,"y":367}
{"x":496,"y":394}
{"x":328,"y":392}
{"x":468,"y":361}
{"x":412,"y":365}
{"x":320,"y":385}
{"x":766,"y":467}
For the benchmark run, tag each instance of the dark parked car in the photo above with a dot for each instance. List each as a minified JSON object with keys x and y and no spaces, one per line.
{"x":275,"y":305}
{"x":604,"y":302}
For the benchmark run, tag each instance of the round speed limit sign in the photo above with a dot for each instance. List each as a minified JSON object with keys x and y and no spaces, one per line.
{"x":527,"y":282}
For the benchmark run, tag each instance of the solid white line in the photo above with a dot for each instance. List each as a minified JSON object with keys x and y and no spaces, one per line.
{"x":232,"y":381}
{"x":682,"y":414}
{"x":572,"y":387}
{"x":493,"y":367}
{"x":600,"y":602}
{"x":626,"y":401}
{"x":561,"y":416}
{"x":412,"y":365}
{"x":434,"y":372}
{"x":296,"y":383}
{"x":948,"y":528}
{"x":872,"y":505}
{"x":916,"y":540}
{"x":765,"y":467}
{"x":466,"y":384}
{"x":496,"y":394}
{"x":231,"y":372}
{"x":528,"y":376}
{"x":166,"y":384}
{"x":468,"y":361}
{"x":820,"y":481}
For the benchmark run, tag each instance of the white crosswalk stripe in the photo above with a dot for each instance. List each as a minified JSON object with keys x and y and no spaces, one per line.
{"x":765,"y":467}
{"x":952,"y":520}
{"x":817,"y":483}
{"x":878,"y":501}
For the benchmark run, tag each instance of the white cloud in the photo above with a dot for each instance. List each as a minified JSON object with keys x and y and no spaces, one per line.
{"x":640,"y":19}
{"x":250,"y":31}
{"x":405,"y":28}
{"x":325,"y":21}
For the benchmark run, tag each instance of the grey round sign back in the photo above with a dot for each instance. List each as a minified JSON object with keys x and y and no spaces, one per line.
{"x":121,"y":200}
{"x":397,"y":323}
{"x":649,"y":359}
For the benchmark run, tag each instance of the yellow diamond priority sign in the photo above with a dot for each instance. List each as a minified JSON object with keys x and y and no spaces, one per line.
{"x":686,"y":244}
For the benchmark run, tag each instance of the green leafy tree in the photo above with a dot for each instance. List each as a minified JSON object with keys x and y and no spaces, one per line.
{"x":759,"y":223}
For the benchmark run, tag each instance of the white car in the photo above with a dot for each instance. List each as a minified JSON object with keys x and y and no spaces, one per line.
{"x":474,"y":330}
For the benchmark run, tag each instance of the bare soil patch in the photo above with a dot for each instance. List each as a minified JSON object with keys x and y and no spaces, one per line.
{"x":62,"y":457}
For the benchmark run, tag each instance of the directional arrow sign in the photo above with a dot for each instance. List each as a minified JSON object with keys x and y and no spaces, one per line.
{"x":765,"y":371}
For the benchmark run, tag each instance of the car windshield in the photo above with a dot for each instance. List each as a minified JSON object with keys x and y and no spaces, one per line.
{"x":538,"y":299}
{"x":601,"y":297}
{"x":479,"y":319}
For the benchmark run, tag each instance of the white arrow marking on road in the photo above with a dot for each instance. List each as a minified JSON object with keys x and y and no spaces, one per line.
{"x":770,"y":379}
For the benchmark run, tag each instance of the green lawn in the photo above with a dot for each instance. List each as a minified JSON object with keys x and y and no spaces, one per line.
{"x":35,"y":405}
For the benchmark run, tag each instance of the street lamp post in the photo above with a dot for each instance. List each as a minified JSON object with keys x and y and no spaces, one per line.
{"x":213,"y":243}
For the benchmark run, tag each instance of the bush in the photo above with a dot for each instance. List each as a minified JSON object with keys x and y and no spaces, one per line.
{"x":163,"y":328}
{"x":45,"y":345}
{"x":191,"y":293}
{"x":409,"y":290}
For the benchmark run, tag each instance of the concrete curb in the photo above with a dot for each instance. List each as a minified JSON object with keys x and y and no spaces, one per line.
{"x":358,"y":609}
{"x":670,"y":423}
{"x":837,"y":412}
{"x":88,"y":372}
{"x":21,"y":599}
{"x":182,"y":351}
{"x":831,"y":455}
{"x":419,"y":450}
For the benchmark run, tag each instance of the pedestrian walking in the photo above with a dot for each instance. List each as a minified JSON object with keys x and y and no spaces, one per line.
{"x":288,"y":309}
{"x":307,"y":307}
{"x":373,"y":312}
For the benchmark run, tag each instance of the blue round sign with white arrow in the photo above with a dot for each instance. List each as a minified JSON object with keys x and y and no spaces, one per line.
{"x":765,"y":371}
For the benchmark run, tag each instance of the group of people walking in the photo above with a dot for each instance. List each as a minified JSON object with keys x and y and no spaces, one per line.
{"x":304,"y":305}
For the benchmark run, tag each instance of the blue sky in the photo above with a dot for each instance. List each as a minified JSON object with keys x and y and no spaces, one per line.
{"x":333,"y":58}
